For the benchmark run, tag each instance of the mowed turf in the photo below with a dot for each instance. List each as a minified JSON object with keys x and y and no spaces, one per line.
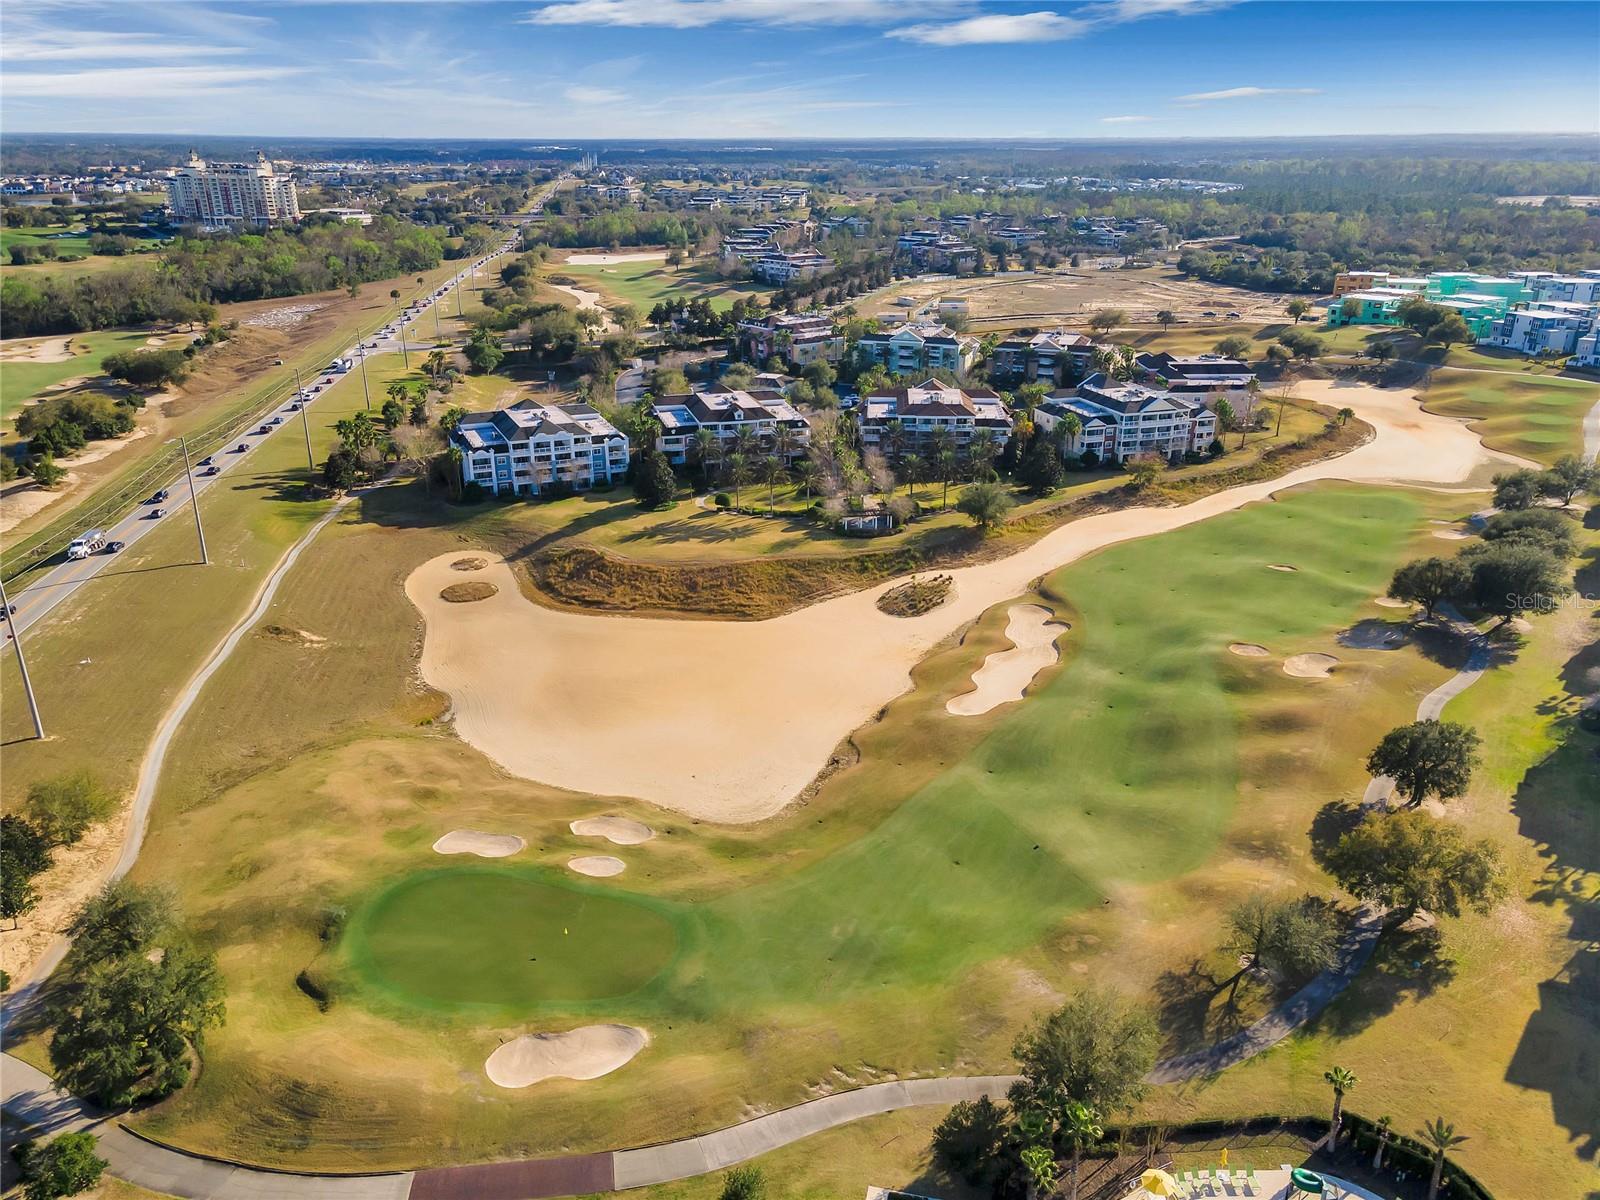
{"x":1538,"y":419}
{"x":20,"y":381}
{"x":646,"y":284}
{"x":482,"y":935}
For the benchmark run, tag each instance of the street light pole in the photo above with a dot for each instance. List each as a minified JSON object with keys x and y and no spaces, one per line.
{"x":305,"y":421}
{"x":194,"y":502}
{"x":22,"y":664}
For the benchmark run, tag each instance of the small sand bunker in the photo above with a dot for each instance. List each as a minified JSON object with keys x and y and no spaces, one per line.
{"x":618,"y":830}
{"x":466,"y":593}
{"x":45,"y":350}
{"x":470,"y":563}
{"x":1374,"y":635}
{"x":584,"y":1053}
{"x":1006,"y":673}
{"x":1310,"y":666}
{"x":1281,"y":567}
{"x":484,"y":845}
{"x":1452,"y":535}
{"x":601,"y":866}
{"x":1391,"y":602}
{"x":1248,"y":650}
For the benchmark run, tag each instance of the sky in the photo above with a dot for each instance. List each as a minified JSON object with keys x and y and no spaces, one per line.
{"x":553,"y":69}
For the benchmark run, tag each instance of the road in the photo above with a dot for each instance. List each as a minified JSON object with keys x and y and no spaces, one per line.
{"x":40,"y":597}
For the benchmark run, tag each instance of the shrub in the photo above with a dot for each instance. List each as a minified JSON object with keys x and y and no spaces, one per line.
{"x":722,"y":500}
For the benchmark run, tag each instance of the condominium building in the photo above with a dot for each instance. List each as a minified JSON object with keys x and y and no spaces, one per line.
{"x":778,"y":266}
{"x":798,"y":339}
{"x":1119,"y":421}
{"x":933,"y":248}
{"x":1198,"y":376}
{"x":911,"y":417}
{"x":223,"y":195}
{"x":529,"y":448}
{"x":1056,"y":357}
{"x":916,"y":347}
{"x":731,"y":416}
{"x":1546,"y":286}
{"x":1553,"y":327}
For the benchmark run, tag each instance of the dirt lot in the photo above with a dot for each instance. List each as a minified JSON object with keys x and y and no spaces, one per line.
{"x":1071,"y":295}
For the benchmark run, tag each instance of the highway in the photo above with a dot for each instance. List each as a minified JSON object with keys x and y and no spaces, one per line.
{"x":55,"y":585}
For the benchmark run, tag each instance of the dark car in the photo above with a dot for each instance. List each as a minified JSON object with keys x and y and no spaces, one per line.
{"x":264,"y":429}
{"x":114,"y":547}
{"x":206,"y":461}
{"x":275,"y":421}
{"x":157,"y":513}
{"x":241,"y":447}
{"x":210,"y":471}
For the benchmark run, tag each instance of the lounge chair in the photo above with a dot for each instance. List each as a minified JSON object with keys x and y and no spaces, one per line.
{"x":1252,"y":1185}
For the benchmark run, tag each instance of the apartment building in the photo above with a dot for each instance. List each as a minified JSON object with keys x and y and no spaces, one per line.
{"x":1568,"y":289}
{"x":1547,"y":327}
{"x":615,"y":193}
{"x":918,"y":346}
{"x":223,"y":195}
{"x":529,"y":448}
{"x":1203,"y":377}
{"x":780,"y":266}
{"x":1119,"y":421}
{"x":728,"y":413}
{"x":798,"y":339}
{"x":1587,"y":351}
{"x":1054,"y":356}
{"x":937,"y":250}
{"x":912,"y":416}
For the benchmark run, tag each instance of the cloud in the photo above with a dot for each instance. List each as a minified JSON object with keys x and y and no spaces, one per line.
{"x":62,"y":45}
{"x":582,"y":94}
{"x":1128,"y":120}
{"x":1246,"y":93}
{"x":122,"y":82}
{"x":994,"y":29}
{"x":697,"y":14}
{"x":1117,"y":11}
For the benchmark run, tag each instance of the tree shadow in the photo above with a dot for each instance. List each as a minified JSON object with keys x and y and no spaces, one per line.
{"x":1408,"y":964}
{"x":1194,"y":1008}
{"x":1333,"y":820}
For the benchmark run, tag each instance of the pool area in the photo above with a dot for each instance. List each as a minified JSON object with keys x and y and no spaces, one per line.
{"x":1281,"y":1183}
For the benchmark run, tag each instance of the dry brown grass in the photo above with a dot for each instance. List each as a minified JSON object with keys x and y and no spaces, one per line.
{"x":465,"y":593}
{"x":915,"y":597}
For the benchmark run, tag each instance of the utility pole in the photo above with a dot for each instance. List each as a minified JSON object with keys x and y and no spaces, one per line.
{"x":22,"y":664}
{"x":361,"y":349}
{"x":194,"y":502}
{"x":437,"y":336}
{"x":405,"y":359}
{"x":305,"y":421}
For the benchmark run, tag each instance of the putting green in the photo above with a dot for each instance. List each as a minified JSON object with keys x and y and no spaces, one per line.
{"x":507,"y":938}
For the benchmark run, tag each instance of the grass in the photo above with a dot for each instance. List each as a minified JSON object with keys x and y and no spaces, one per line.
{"x":1541,"y":419}
{"x":646,"y":284}
{"x":505,"y":938}
{"x":20,"y":382}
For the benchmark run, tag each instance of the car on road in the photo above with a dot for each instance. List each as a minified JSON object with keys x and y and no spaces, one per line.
{"x":158,"y":497}
{"x":157,"y":513}
{"x":264,"y":429}
{"x":115,"y":547}
{"x":241,"y":447}
{"x":1235,"y":316}
{"x":276,"y":421}
{"x":1208,"y":313}
{"x":295,"y":407}
{"x":212,"y":470}
{"x":204,"y":462}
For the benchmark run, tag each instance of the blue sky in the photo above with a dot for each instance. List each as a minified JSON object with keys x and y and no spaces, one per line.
{"x":544,"y":69}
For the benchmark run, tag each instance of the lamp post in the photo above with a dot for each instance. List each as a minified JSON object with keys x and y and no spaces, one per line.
{"x":22,"y":664}
{"x":194,"y":503}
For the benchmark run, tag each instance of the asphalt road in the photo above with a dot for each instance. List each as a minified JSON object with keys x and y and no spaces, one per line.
{"x":36,"y":601}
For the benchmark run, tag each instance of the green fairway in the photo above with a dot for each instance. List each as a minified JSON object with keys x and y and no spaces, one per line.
{"x":1539,"y":419}
{"x":21,"y":381}
{"x":498,"y":936}
{"x":645,"y":284}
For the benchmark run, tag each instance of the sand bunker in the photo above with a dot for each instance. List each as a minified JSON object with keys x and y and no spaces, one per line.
{"x":1374,"y":635}
{"x":618,"y":830}
{"x":466,"y":593}
{"x":45,"y":350}
{"x":484,"y":845}
{"x":547,"y":710}
{"x":472,"y":563}
{"x":1310,"y":666}
{"x":584,"y":1053}
{"x":1452,"y":535}
{"x":1391,"y":602}
{"x":1248,"y":650}
{"x":1281,"y":567}
{"x":1006,"y":673}
{"x":601,"y":866}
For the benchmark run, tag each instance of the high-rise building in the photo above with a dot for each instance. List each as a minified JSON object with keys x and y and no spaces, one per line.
{"x":221,"y":195}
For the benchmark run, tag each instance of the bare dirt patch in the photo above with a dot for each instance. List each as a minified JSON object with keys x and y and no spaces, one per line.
{"x":587,"y":1052}
{"x":1006,"y":674}
{"x":284,"y":316}
{"x":618,"y":830}
{"x":466,"y":593}
{"x":475,"y":841}
{"x":472,"y":563}
{"x":1310,"y":666}
{"x":601,"y":866}
{"x":1248,"y":650}
{"x":916,"y":596}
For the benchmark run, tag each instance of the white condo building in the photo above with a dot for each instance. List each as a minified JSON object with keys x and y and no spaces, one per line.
{"x":223,"y":195}
{"x":1119,"y":421}
{"x":527,"y":448}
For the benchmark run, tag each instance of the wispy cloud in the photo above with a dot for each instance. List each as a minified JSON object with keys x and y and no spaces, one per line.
{"x":1246,"y":93}
{"x":1117,"y":11}
{"x":120,"y":82}
{"x":61,"y":45}
{"x":994,"y":29}
{"x":1130,"y":119}
{"x":582,"y":94}
{"x":697,"y":14}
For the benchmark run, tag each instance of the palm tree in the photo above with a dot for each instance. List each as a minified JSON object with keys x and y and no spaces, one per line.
{"x":1441,"y":1135}
{"x":911,"y":468}
{"x":1080,"y":1126}
{"x":1103,"y":359}
{"x":893,"y":439}
{"x":1383,"y":1142}
{"x":744,"y":439}
{"x":707,"y":450}
{"x":785,"y":443}
{"x":1069,"y":427}
{"x":1343,"y":1080}
{"x":1343,"y":416}
{"x":773,"y":472}
{"x":808,"y":476}
{"x":946,"y":464}
{"x":738,"y":473}
{"x":981,"y":450}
